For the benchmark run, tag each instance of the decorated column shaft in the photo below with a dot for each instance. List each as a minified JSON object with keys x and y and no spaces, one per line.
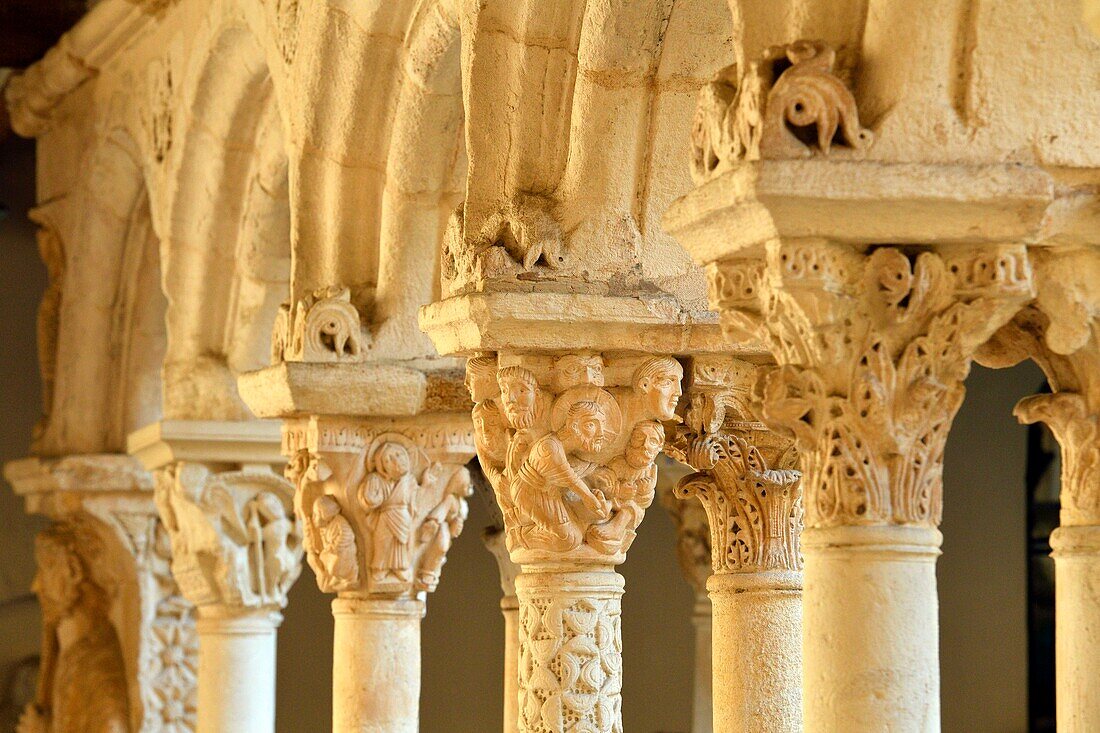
{"x":751,"y":494}
{"x":236,"y":551}
{"x":119,"y":648}
{"x":569,"y":442}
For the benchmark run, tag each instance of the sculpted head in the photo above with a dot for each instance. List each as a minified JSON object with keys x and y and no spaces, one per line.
{"x":392,"y":461}
{"x":490,"y":430}
{"x":573,"y":370}
{"x":325,"y":509}
{"x":60,"y":575}
{"x":481,"y":378}
{"x":646,"y":440}
{"x":518,"y":395}
{"x":657,"y":382}
{"x":586,"y":423}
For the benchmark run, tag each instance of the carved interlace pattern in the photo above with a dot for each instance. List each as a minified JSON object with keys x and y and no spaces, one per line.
{"x":235,"y":541}
{"x":380,"y":507}
{"x":570,"y":665}
{"x":322,"y":327}
{"x":788,"y":104}
{"x":872,"y":353}
{"x":569,"y":452}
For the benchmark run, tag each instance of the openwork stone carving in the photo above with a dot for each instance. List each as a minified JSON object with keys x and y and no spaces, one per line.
{"x":235,"y":541}
{"x":323,"y":327}
{"x":380,"y":505}
{"x":872,"y":352}
{"x":570,"y":662}
{"x":82,"y":686}
{"x":568,"y":443}
{"x":745,"y":477}
{"x":788,"y":104}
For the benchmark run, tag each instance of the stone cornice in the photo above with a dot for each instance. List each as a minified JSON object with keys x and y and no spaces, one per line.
{"x":167,"y":441}
{"x":35,"y":478}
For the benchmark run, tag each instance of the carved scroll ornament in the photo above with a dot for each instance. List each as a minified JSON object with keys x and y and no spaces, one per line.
{"x":790,"y":103}
{"x":571,"y":457}
{"x":872,"y":352}
{"x":322,"y":327}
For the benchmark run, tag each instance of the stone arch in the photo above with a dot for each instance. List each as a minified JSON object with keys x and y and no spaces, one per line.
{"x":225,"y":240}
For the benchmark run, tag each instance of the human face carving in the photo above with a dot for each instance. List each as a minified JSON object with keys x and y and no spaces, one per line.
{"x":572,"y":370}
{"x":590,"y":433}
{"x":518,"y":400}
{"x":661,"y":394}
{"x":645,"y":443}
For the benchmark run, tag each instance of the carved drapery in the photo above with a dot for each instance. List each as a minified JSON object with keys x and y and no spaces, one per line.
{"x":872,"y":351}
{"x":380,"y":501}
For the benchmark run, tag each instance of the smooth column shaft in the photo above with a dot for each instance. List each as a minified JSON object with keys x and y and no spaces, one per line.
{"x":1077,"y":627}
{"x":509,"y":606}
{"x":376,"y":665}
{"x":702,"y":710}
{"x":571,"y":670}
{"x":236,"y":686}
{"x":757,"y":651}
{"x":871,"y":630}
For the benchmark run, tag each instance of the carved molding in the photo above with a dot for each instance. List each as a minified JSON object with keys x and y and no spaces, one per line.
{"x":235,"y":540}
{"x":380,"y":503}
{"x":745,"y":477}
{"x":790,"y":103}
{"x":322,"y":327}
{"x":872,"y":352}
{"x":568,"y":443}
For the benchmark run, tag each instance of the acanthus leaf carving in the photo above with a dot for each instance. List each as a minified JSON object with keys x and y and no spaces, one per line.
{"x":322,"y":327}
{"x":872,"y":351}
{"x":571,"y":457}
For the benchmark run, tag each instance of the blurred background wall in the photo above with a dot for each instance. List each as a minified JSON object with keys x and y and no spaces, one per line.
{"x":982,"y":572}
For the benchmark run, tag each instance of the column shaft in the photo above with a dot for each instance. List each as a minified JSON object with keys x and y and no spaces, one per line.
{"x":376,"y":665}
{"x":237,"y":672}
{"x":871,"y":631}
{"x":1077,"y":627}
{"x":702,"y":710}
{"x":570,"y":655}
{"x":757,"y":654}
{"x":509,"y":607}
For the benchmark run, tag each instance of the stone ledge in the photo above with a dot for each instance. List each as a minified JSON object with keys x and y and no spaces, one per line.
{"x":495,"y":321}
{"x":167,"y":441}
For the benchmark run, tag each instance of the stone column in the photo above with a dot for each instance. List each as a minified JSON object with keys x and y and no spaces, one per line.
{"x":693,"y":552}
{"x":381,"y":501}
{"x":1061,"y":332}
{"x":236,"y":551}
{"x":509,"y":606}
{"x":753,"y":503}
{"x":120,"y":648}
{"x":568,"y":442}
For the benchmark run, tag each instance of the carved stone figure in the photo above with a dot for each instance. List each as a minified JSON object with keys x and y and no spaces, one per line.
{"x":657,"y":384}
{"x":541,"y":486}
{"x":389,"y":494}
{"x":82,"y":686}
{"x":443,"y":523}
{"x":629,"y":483}
{"x":337,"y":552}
{"x":574,"y":370}
{"x":522,"y":400}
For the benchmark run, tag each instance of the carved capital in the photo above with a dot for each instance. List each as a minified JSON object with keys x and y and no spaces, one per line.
{"x":1060,"y":331}
{"x":872,"y":351}
{"x":746,"y":479}
{"x":235,"y":540}
{"x":568,"y":442}
{"x":380,"y":500}
{"x":693,"y":545}
{"x":322,"y":327}
{"x":790,"y":103}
